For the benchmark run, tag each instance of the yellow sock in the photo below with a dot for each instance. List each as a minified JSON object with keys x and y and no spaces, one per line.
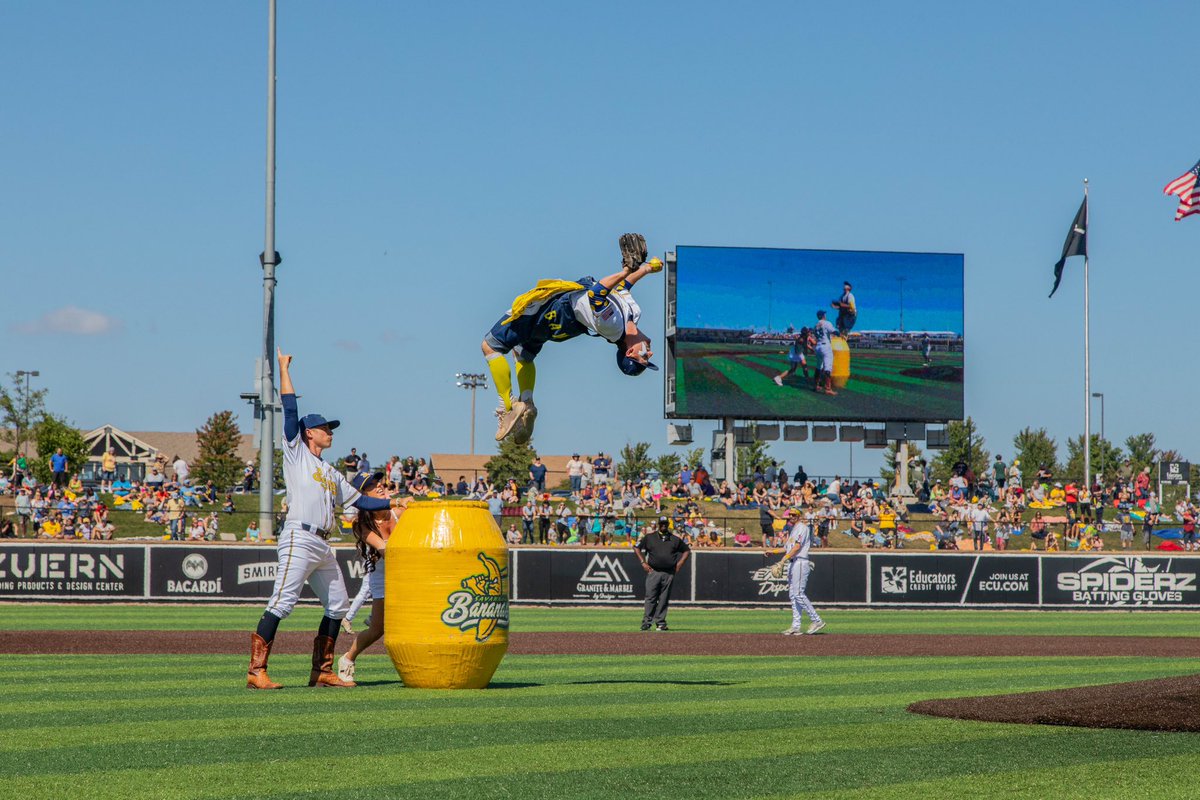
{"x":502,"y":378}
{"x":526,"y":378}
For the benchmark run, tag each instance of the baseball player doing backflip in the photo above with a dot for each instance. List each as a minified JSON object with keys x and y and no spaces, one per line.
{"x":799,"y":540}
{"x":314,"y":488}
{"x":558,"y":310}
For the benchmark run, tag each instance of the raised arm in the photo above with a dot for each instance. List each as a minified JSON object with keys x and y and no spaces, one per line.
{"x":287,"y":397}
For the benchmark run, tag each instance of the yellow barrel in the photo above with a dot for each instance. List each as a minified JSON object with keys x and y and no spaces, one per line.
{"x":841,"y":361}
{"x":446,"y":599}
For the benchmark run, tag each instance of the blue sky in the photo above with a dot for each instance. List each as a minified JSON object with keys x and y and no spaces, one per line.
{"x":437,"y":159}
{"x":777,"y":288}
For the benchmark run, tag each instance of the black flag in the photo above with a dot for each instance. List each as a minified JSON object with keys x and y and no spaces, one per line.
{"x":1076,"y":244}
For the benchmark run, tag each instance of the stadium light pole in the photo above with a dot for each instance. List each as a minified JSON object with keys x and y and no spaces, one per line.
{"x":901,"y":279}
{"x":770,"y":302}
{"x":26,"y":374}
{"x":472,"y":381}
{"x":269,"y":259}
{"x":1103,"y":453}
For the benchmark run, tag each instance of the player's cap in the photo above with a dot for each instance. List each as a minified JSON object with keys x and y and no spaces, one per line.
{"x":361,"y":479}
{"x":631,"y":366}
{"x":316,"y":421}
{"x":664,"y":521}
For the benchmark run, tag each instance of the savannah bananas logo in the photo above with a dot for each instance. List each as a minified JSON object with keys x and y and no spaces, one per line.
{"x":482,"y":603}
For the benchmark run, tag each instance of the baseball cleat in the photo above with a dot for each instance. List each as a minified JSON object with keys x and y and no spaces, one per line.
{"x":346,"y":669}
{"x":523,"y":431}
{"x":661,"y":627}
{"x":347,"y":626}
{"x":645,"y":626}
{"x":507,"y":420}
{"x":795,"y":630}
{"x":778,"y":381}
{"x":816,"y":626}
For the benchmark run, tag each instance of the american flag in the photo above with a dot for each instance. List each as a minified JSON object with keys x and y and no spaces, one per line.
{"x":1186,"y":189}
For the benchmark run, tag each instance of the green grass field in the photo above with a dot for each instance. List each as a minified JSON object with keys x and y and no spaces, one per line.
{"x":566,"y":727}
{"x":736,"y":380}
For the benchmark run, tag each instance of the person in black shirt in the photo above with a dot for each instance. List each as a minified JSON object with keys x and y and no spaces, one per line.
{"x":662,"y":555}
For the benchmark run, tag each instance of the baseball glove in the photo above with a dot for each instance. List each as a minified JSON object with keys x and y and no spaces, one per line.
{"x":778,"y":569}
{"x":633,"y":250}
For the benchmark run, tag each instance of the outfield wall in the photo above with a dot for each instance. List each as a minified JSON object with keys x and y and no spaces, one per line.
{"x":91,"y":572}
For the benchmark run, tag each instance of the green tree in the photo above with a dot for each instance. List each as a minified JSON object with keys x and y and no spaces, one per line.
{"x":1033,"y":447}
{"x":20,"y":411}
{"x":694,"y":456}
{"x":635,"y":459}
{"x":218,"y":442}
{"x":966,"y":445}
{"x":668,"y":466}
{"x":752,"y":458}
{"x":51,"y":433}
{"x":1142,"y":452}
{"x":887,"y":472}
{"x":512,"y":461}
{"x":1103,"y":452}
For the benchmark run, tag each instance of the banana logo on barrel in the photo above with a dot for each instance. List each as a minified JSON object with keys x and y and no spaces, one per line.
{"x":482,"y":603}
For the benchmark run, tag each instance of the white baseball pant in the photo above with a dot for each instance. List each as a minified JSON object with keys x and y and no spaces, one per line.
{"x":797,"y":582}
{"x":306,"y":557}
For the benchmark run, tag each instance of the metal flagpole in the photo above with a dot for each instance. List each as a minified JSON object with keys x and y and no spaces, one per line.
{"x":269,"y":259}
{"x":1087,"y":356}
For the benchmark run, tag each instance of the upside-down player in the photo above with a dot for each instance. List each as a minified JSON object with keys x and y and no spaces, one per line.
{"x":557,"y":310}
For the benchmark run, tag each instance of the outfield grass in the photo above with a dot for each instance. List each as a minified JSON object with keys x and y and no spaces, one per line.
{"x":575,"y":727}
{"x":524,"y":618}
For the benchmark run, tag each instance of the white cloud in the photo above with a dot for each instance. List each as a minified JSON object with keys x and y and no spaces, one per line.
{"x":72,"y":320}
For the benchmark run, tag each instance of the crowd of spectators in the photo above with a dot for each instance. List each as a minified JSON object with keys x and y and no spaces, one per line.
{"x":67,"y":508}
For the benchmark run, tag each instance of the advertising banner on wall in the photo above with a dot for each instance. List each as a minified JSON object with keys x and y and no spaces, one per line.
{"x":1121,"y":581}
{"x":602,"y":577}
{"x":235,"y":573}
{"x":745,"y":577}
{"x":70,"y":571}
{"x":954,"y":579}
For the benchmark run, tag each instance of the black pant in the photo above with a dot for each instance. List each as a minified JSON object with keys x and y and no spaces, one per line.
{"x":60,"y":479}
{"x":658,"y":597}
{"x":543,"y":530}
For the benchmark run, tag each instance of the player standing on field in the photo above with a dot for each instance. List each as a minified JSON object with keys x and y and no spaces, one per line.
{"x":314,"y":488}
{"x":823,"y":333}
{"x":799,"y":539}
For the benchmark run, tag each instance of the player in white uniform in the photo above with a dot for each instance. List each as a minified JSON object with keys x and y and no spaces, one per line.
{"x":823,"y":333}
{"x":314,"y":488}
{"x":799,"y":539}
{"x":558,"y":310}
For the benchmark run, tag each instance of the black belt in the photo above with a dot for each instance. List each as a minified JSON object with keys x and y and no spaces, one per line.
{"x":313,"y":529}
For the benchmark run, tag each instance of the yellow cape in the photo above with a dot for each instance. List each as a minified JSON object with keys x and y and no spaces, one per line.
{"x":538,"y":295}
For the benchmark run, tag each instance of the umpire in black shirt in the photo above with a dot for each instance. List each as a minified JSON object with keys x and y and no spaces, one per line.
{"x":662,"y":554}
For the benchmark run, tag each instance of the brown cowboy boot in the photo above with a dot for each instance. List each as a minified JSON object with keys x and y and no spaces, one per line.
{"x":256,"y":676}
{"x":322,"y":664}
